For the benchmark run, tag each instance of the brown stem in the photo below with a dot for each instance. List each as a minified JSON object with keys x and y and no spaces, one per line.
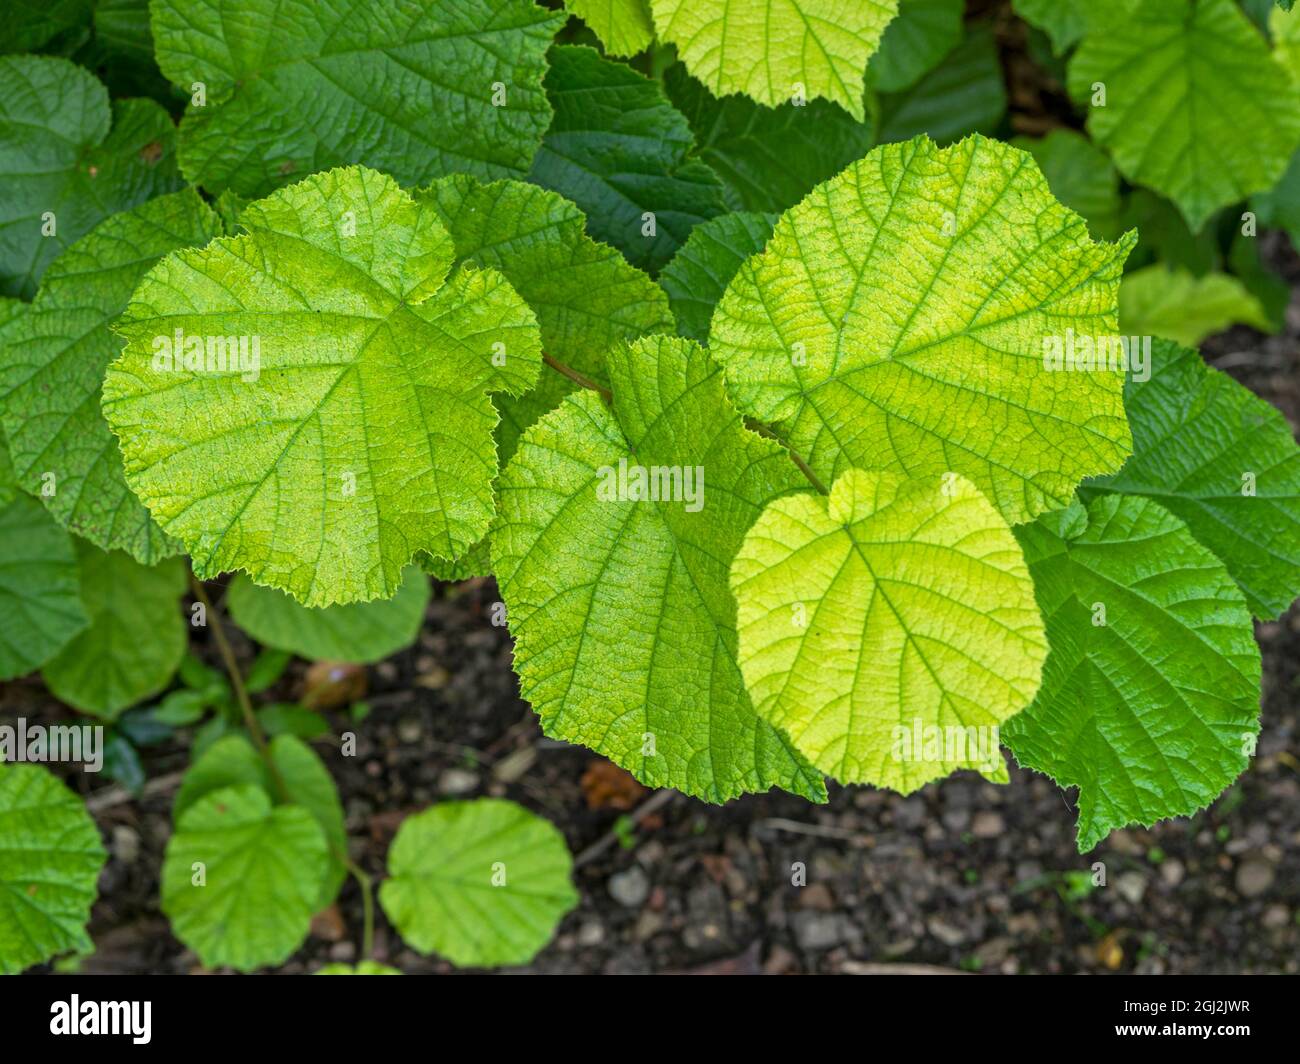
{"x":804,"y":467}
{"x":578,"y":378}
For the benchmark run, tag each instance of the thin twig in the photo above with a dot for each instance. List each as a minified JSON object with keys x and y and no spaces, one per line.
{"x":655,"y":802}
{"x":578,"y":378}
{"x":804,"y":467}
{"x":117,"y":794}
{"x":820,"y":831}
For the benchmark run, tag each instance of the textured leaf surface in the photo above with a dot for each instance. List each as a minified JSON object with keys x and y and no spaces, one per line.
{"x":623,"y":26}
{"x":772,"y":49}
{"x":367,"y":433}
{"x":898,"y":318}
{"x":963,"y":94}
{"x":263,"y":869}
{"x":1175,"y":304}
{"x":618,"y":149}
{"x":136,"y":637}
{"x":585,"y":295}
{"x":50,"y":860}
{"x":703,"y":267}
{"x":232,"y":761}
{"x":359,"y":632}
{"x":1152,"y":713}
{"x":1201,"y":441}
{"x":54,"y":357}
{"x":877,"y":619}
{"x":295,"y":86}
{"x":481,"y":883}
{"x":768,"y":157}
{"x":40,"y":596}
{"x":1081,"y":176}
{"x":63,"y":151}
{"x":915,"y":42}
{"x":1064,"y":21}
{"x":623,"y":621}
{"x":1196,"y":106}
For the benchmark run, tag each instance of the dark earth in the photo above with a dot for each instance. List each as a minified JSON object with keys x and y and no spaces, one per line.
{"x":962,"y":876}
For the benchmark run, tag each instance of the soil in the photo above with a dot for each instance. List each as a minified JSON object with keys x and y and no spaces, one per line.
{"x":962,"y":876}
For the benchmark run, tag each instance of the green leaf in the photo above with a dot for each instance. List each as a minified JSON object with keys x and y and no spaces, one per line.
{"x":1165,"y":238}
{"x":585,"y":295}
{"x":774,"y":50}
{"x":1081,"y":176}
{"x":1279,"y":208}
{"x":482,"y":883}
{"x":49,"y":867}
{"x":287,"y":718}
{"x":891,"y":615}
{"x":623,"y":622}
{"x":1151,"y":707}
{"x":54,"y":357}
{"x":415,"y":90}
{"x":360,"y":968}
{"x":1284,"y":26}
{"x":623,"y":26}
{"x":963,"y":94}
{"x":900,"y":316}
{"x":1064,"y":21}
{"x":1196,"y":106}
{"x":136,"y":638}
{"x":703,"y":267}
{"x":363,"y":433}
{"x":768,"y":157}
{"x":916,"y":41}
{"x":40,"y":588}
{"x":619,"y":150}
{"x":231,"y":760}
{"x":62,"y":169}
{"x":262,"y":869}
{"x":360,"y":632}
{"x":475,"y":562}
{"x":30,"y":24}
{"x":1222,"y":460}
{"x":267,"y":667}
{"x":1155,"y":301}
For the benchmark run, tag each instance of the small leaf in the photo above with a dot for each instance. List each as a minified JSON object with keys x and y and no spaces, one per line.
{"x":1150,"y":696}
{"x":360,"y":632}
{"x":360,"y":968}
{"x":1064,"y":21}
{"x":40,"y":588}
{"x":891,"y":615}
{"x":267,"y":667}
{"x":261,"y":869}
{"x":623,"y":26}
{"x":362,"y":433}
{"x":50,"y":862}
{"x":136,"y":638}
{"x":1174,"y":304}
{"x":482,"y":883}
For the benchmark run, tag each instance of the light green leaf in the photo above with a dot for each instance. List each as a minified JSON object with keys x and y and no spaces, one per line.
{"x":703,"y":267}
{"x":963,"y":94}
{"x":482,"y":883}
{"x":1150,"y":696}
{"x":619,"y":150}
{"x":1081,"y":176}
{"x":1284,"y":26}
{"x":623,"y":26}
{"x":623,"y":621}
{"x":1064,"y":21}
{"x":768,"y":157}
{"x":890,"y":629}
{"x":62,"y":169}
{"x":1196,"y":106}
{"x":1224,"y":461}
{"x":136,"y":637}
{"x":232,"y":761}
{"x":916,"y":41}
{"x":776,"y":49}
{"x":50,"y":862}
{"x":40,"y":588}
{"x":262,"y":869}
{"x":52,"y":371}
{"x":900,"y":317}
{"x":1155,"y":301}
{"x":360,"y":968}
{"x":416,"y":90}
{"x":475,"y":562}
{"x":363,"y":433}
{"x":585,"y":295}
{"x":360,"y":632}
